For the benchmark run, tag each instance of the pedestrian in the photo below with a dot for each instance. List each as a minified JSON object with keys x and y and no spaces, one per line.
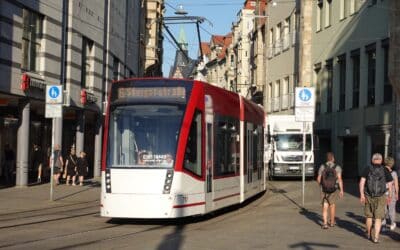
{"x":331,"y":182}
{"x":9,"y":164}
{"x":58,"y":163}
{"x":373,"y":195}
{"x":83,"y":167}
{"x":37,"y":161}
{"x":70,"y":167}
{"x":390,"y":208}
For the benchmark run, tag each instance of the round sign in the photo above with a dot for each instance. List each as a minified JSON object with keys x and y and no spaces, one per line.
{"x":305,"y":95}
{"x":54,"y":92}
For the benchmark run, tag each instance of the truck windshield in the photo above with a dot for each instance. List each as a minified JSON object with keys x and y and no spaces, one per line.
{"x":292,"y":142}
{"x":143,"y":135}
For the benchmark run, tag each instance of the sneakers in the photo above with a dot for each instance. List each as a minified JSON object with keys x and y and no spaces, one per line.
{"x":392,"y":226}
{"x":39,"y":180}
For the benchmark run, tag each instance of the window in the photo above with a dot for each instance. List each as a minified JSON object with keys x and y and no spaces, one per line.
{"x":387,"y":89}
{"x":286,"y":34}
{"x":320,"y":6}
{"x":371,"y":59}
{"x":87,"y":62}
{"x":343,"y":9}
{"x":328,"y":13}
{"x":278,"y":45}
{"x":31,"y":38}
{"x":317,"y":72}
{"x":285,"y":93}
{"x":227,"y":147}
{"x":329,"y":81}
{"x":342,"y":82}
{"x":192,"y":161}
{"x":355,"y":58}
{"x":143,"y":135}
{"x":115,"y":68}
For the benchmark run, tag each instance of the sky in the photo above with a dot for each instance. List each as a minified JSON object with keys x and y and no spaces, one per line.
{"x":221,"y":14}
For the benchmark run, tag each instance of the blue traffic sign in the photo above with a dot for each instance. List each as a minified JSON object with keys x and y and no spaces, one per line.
{"x":305,"y":95}
{"x":54,"y":92}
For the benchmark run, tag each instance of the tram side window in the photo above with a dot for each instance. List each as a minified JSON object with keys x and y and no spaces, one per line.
{"x":192,"y":162}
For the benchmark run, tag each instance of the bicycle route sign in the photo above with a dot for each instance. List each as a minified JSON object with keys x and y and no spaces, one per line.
{"x":305,"y":104}
{"x":54,"y":100}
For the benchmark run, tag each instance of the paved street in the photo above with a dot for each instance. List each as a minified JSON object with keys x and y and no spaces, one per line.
{"x":28,"y":220}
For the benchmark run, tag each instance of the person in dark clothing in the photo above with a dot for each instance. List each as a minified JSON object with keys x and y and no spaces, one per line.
{"x":9,"y":164}
{"x":71,"y":165}
{"x":372,"y":194}
{"x":82,"y":167}
{"x":58,"y":163}
{"x":37,"y":161}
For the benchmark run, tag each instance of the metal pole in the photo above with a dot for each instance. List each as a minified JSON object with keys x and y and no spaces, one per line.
{"x":304,"y":162}
{"x":52,"y":158}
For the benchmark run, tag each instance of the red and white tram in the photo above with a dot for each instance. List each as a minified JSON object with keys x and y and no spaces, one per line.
{"x":176,"y":148}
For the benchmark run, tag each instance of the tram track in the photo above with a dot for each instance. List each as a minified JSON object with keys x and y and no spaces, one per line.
{"x":122,"y":230}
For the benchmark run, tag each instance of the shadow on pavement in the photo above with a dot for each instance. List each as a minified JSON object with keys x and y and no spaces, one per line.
{"x":313,"y":216}
{"x":312,"y":245}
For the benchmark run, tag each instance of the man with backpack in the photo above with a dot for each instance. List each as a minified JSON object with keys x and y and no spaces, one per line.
{"x":373,"y":194}
{"x":330,"y":179}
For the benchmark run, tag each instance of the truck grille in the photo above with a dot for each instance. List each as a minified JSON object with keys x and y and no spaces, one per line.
{"x":292,"y":158}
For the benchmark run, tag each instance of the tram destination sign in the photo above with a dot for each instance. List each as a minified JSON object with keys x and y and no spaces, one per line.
{"x":126,"y":92}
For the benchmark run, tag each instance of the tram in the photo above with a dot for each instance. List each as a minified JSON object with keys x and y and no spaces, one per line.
{"x":176,"y":148}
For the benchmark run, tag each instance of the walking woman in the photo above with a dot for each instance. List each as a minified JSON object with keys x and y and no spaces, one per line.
{"x":71,"y":165}
{"x":83,"y":167}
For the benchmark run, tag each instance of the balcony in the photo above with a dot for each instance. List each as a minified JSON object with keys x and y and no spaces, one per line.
{"x":285,"y":101}
{"x":286,"y":41}
{"x":269,"y":106}
{"x":276,"y":104}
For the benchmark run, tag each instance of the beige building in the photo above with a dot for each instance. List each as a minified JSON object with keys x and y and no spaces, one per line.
{"x":152,"y":38}
{"x":282,"y":67}
{"x":217,"y":61}
{"x":354,"y":99}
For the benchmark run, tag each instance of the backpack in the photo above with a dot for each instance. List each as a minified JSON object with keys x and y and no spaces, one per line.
{"x":376,"y":181}
{"x":328,"y":181}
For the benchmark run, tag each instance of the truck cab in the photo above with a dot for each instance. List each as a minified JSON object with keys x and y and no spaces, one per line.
{"x":284,"y":138}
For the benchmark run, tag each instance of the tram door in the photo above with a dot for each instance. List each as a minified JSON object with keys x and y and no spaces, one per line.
{"x":209,"y":145}
{"x":249,"y":153}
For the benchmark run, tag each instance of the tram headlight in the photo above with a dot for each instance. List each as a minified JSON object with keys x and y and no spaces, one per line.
{"x":168,"y":181}
{"x":108,"y":181}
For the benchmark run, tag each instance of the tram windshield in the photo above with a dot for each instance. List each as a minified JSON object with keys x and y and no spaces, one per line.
{"x":292,"y":142}
{"x":143,"y":135}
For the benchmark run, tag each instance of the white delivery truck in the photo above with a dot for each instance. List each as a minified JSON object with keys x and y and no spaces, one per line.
{"x":284,"y":145}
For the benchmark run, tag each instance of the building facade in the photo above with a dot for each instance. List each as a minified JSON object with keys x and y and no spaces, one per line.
{"x":80,"y":45}
{"x":151,"y":37}
{"x":354,"y":99}
{"x":282,"y":44}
